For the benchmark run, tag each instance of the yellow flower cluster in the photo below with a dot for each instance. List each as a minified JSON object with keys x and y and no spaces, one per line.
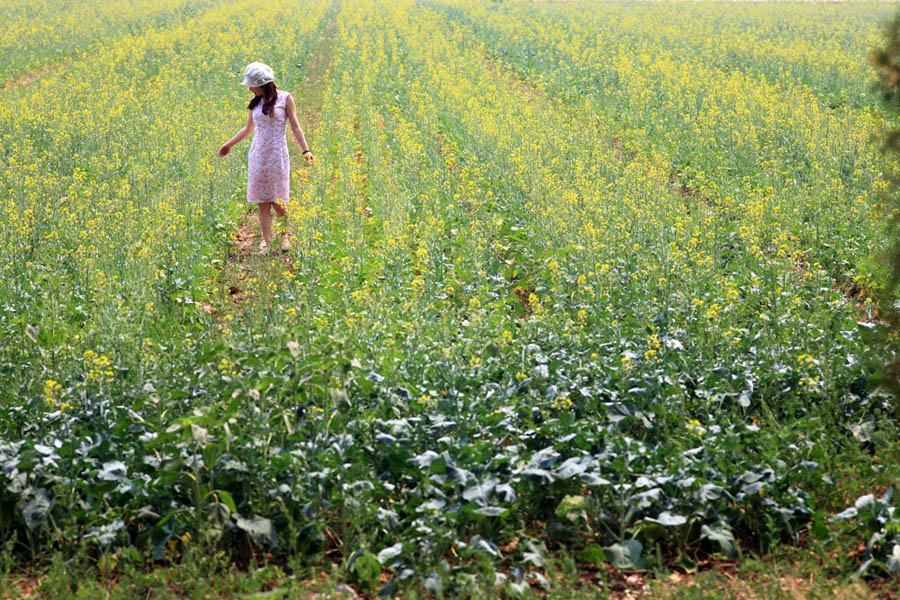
{"x":148,"y":357}
{"x":810,"y":377}
{"x":227,"y":367}
{"x":806,"y":361}
{"x":99,"y":368}
{"x":653,"y":347}
{"x":562,"y":403}
{"x":695,"y":427}
{"x":52,"y":392}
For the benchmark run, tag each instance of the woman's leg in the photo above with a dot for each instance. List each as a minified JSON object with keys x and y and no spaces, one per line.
{"x":265,"y":222}
{"x":281,"y":219}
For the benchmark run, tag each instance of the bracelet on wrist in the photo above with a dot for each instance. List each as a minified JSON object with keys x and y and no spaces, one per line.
{"x":307,"y":151}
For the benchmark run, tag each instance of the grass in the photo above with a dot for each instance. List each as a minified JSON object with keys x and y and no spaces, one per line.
{"x":207,"y":572}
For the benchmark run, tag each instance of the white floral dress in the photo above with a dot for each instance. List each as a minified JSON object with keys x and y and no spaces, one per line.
{"x":269,"y":164}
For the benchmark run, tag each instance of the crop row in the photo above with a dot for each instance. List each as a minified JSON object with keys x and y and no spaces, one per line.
{"x":41,"y":36}
{"x":797,"y":173}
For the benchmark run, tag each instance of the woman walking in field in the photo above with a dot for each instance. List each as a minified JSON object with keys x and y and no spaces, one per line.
{"x":269,"y":167}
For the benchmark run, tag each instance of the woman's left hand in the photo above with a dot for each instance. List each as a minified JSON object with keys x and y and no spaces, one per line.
{"x":309,"y":157}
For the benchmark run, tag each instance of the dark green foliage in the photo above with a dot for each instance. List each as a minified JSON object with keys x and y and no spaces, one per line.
{"x":887,"y":62}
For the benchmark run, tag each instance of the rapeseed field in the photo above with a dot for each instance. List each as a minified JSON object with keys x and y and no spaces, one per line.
{"x":595,"y":280}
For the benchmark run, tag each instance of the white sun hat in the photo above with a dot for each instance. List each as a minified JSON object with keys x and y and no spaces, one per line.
{"x":257,"y":74}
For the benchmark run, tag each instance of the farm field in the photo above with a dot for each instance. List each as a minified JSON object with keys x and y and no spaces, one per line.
{"x":574,"y":289}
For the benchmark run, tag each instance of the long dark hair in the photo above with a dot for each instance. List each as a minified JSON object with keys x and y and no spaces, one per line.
{"x":268,"y":97}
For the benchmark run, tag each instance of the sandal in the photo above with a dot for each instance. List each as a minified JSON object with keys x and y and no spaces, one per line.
{"x":263,"y":247}
{"x":285,"y":241}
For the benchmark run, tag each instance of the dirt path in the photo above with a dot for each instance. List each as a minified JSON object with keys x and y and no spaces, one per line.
{"x":239,"y":266}
{"x":27,"y":79}
{"x":310,"y":91}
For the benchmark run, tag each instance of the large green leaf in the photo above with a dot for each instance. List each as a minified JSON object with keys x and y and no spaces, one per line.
{"x":893,"y":560}
{"x":390,"y":553}
{"x":626,"y":555}
{"x":572,"y":508}
{"x":720,"y":535}
{"x":364,"y":569}
{"x":260,"y":530}
{"x":489,"y":511}
{"x":667,"y":519}
{"x":592,"y":554}
{"x":113,"y":470}
{"x":36,"y":508}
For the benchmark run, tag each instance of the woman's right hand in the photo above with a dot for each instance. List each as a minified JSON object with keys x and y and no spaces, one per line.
{"x":223,"y":151}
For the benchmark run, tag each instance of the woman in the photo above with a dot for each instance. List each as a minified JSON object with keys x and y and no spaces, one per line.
{"x":269,"y":167}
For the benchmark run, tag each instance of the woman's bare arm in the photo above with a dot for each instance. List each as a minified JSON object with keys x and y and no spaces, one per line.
{"x":291,"y":110}
{"x":244,"y":132}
